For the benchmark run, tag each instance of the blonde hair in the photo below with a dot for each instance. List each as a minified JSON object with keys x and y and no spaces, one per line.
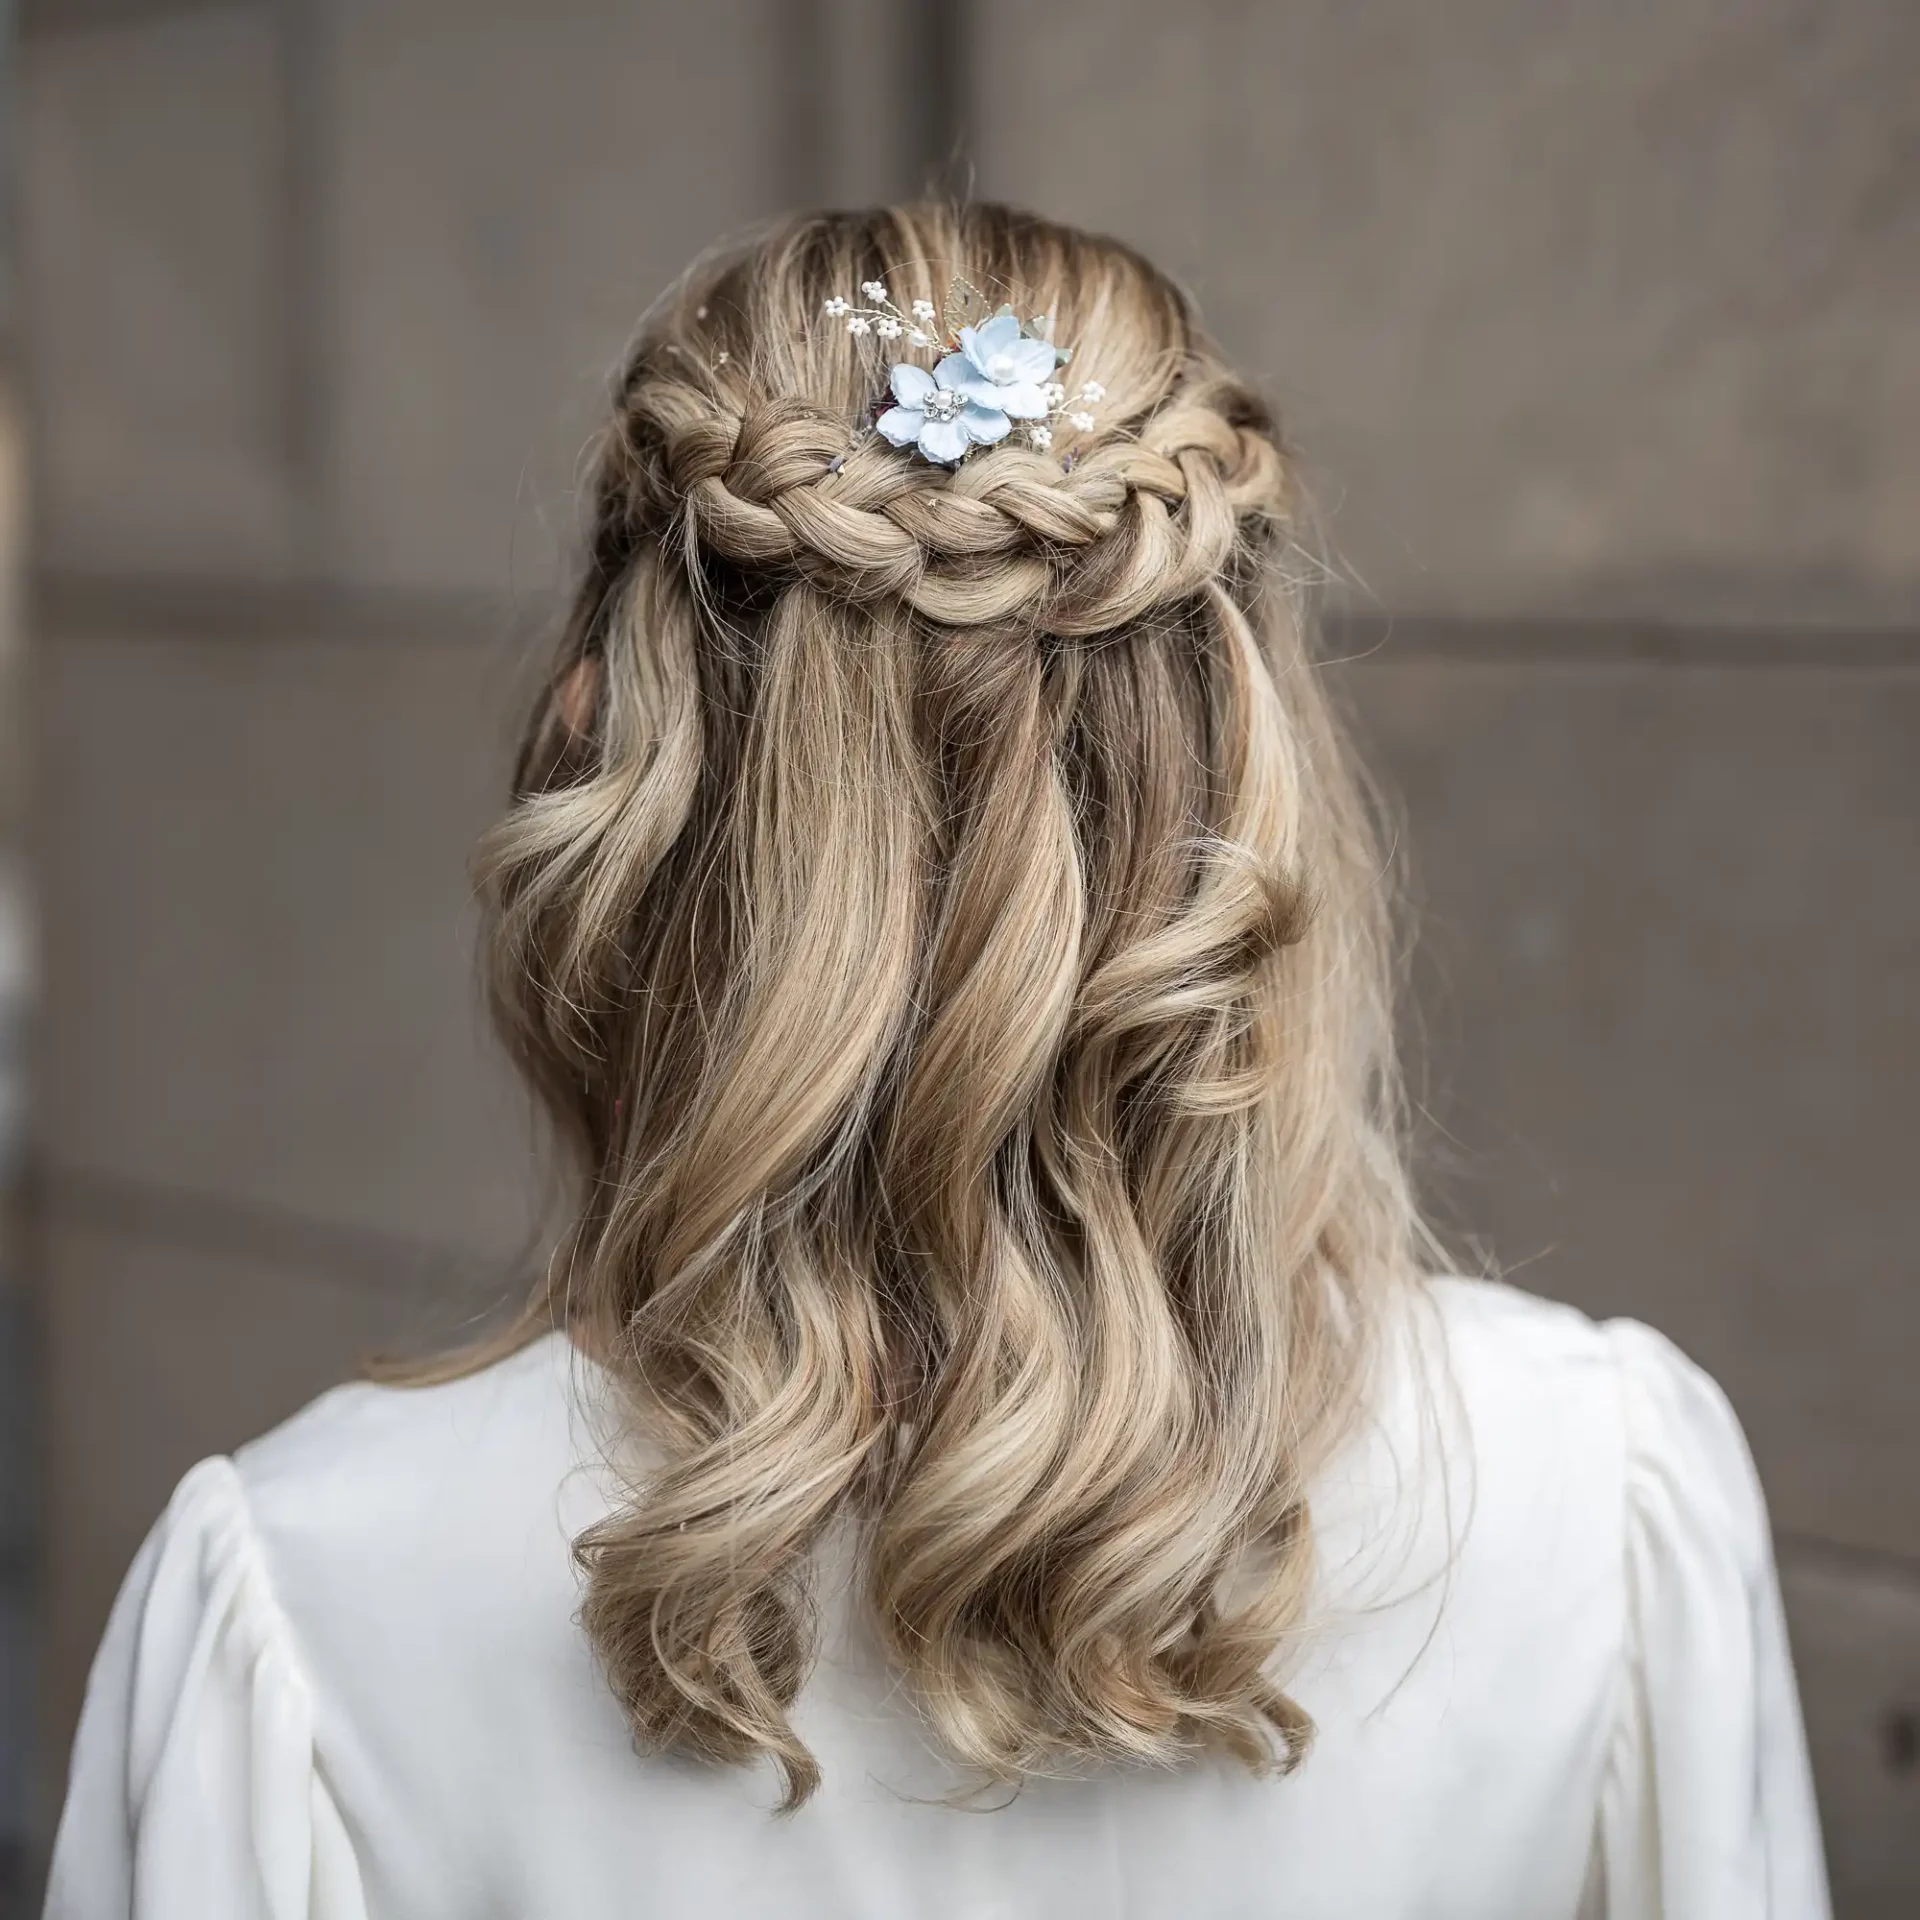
{"x":942,"y":920}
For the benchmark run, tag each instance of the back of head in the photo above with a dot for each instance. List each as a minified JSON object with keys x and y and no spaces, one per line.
{"x":939,"y":915}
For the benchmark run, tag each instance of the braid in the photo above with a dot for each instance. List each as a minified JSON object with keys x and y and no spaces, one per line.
{"x":1136,"y":522}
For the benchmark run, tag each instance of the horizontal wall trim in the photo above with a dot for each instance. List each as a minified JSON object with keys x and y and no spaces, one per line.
{"x":1847,"y":1562}
{"x":42,"y":17}
{"x":63,"y":605}
{"x":354,"y":1257}
{"x":1545,"y":640}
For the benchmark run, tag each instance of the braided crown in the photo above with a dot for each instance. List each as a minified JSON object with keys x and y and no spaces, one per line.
{"x":1138,"y":520}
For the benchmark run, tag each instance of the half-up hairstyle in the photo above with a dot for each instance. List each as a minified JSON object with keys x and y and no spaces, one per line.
{"x":940,"y":917}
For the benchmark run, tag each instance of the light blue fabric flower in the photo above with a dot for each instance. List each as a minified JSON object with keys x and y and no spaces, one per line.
{"x":1001,"y":367}
{"x":937,"y":415}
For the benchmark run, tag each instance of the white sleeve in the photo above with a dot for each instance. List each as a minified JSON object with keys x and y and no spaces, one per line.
{"x":195,"y":1787}
{"x":1707,"y":1811}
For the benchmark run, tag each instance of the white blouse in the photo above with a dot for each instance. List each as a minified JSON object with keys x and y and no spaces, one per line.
{"x":344,"y":1681}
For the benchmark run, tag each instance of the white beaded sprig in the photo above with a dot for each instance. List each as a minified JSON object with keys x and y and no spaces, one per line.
{"x":1074,"y":409}
{"x":884,"y":318}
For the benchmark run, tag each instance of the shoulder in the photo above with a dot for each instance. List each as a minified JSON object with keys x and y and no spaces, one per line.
{"x":306,"y":1619}
{"x":1611,"y":1413}
{"x":385,"y":1441}
{"x":375,"y":1500}
{"x":1533,"y":1384}
{"x":1518,"y":1355}
{"x":1557,"y":1454}
{"x":1497,"y":1325}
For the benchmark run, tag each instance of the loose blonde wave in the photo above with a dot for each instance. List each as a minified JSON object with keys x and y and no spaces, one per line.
{"x":941,"y":918}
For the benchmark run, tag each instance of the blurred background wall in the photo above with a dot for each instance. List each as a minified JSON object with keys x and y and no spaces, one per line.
{"x":1596,"y":325}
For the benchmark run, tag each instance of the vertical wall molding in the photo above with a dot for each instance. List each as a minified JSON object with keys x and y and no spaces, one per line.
{"x":876,"y":101}
{"x":305,"y":370}
{"x":937,"y":79}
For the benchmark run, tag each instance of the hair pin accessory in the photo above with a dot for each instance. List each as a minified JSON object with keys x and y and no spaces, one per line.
{"x":994,"y":370}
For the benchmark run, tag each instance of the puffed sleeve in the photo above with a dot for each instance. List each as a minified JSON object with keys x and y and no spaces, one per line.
{"x":1707,"y":1810}
{"x":195,"y":1787}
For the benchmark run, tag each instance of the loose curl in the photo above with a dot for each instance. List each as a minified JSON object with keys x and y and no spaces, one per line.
{"x":940,"y":916}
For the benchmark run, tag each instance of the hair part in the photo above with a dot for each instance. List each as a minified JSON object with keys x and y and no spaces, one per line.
{"x":942,"y":920}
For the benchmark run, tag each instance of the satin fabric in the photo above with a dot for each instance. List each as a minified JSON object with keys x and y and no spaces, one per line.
{"x":344,"y":1681}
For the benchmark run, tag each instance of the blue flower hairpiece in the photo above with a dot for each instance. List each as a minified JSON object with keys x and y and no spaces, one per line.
{"x":991,"y":374}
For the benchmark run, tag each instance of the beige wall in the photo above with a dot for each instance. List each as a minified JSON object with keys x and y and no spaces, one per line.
{"x":1593,"y":310}
{"x":1590,"y":321}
